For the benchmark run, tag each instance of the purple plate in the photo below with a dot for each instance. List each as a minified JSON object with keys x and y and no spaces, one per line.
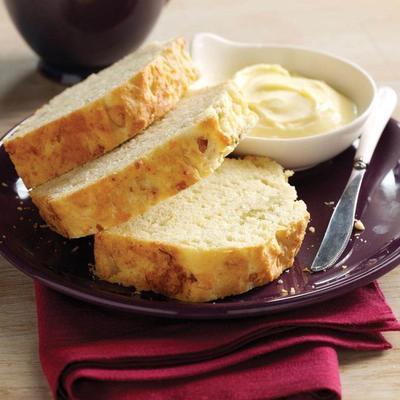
{"x":64,"y":265}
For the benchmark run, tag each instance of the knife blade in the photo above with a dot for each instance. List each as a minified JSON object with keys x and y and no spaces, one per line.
{"x":341,"y":224}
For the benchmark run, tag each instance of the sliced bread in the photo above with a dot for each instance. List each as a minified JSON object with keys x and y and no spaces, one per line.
{"x":237,"y":229}
{"x":100,"y":113}
{"x":189,"y":143}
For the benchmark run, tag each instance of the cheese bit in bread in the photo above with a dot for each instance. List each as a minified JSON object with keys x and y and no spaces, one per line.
{"x":98,"y":114}
{"x":189,"y":143}
{"x":237,"y":229}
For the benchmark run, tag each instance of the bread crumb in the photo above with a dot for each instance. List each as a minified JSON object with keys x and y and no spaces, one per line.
{"x":35,"y":225}
{"x":4,"y":184}
{"x":288,"y":173}
{"x":311,"y":229}
{"x":329,"y":203}
{"x":91,"y":268}
{"x":75,"y":249}
{"x":14,"y":227}
{"x":284,"y":292}
{"x":3,"y":236}
{"x":280,"y":281}
{"x":359,"y":225}
{"x":292,"y":291}
{"x":43,"y":226}
{"x":19,"y":208}
{"x":306,"y":269}
{"x":344,"y":266}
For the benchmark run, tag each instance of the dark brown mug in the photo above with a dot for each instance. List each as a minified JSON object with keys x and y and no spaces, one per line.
{"x":82,"y":36}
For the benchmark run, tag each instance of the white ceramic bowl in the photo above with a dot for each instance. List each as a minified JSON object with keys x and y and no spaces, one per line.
{"x":219,"y":59}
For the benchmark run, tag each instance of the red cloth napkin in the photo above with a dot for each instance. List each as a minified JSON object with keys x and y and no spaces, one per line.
{"x":88,"y":352}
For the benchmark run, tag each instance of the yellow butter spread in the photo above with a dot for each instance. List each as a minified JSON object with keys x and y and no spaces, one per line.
{"x":292,"y":106}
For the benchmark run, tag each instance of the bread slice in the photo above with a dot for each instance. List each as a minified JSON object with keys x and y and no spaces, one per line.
{"x":237,"y":229}
{"x":188,"y":144}
{"x":100,"y":113}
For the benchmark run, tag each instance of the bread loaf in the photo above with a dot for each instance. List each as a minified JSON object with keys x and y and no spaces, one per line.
{"x":188,"y":144}
{"x":237,"y":229}
{"x":100,"y":113}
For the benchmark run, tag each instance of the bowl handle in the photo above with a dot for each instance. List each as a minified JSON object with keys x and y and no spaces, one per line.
{"x":204,"y":40}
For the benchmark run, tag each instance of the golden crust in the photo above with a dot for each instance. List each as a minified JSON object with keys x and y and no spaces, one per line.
{"x":61,"y":145}
{"x":195,"y":275}
{"x":164,"y":172}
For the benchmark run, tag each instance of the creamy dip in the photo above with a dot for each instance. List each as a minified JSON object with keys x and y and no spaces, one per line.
{"x":291,"y":106}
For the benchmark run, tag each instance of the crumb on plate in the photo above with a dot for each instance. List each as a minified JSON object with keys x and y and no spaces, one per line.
{"x":359,"y":225}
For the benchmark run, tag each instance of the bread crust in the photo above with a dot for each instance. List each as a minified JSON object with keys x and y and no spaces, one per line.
{"x":100,"y":126}
{"x":195,"y":275}
{"x":195,"y":153}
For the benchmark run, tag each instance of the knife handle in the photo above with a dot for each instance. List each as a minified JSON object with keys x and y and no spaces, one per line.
{"x":384,"y":105}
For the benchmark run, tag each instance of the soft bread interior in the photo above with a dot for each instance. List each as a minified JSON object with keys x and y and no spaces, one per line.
{"x":242,"y":204}
{"x":189,"y":111}
{"x":92,"y":88}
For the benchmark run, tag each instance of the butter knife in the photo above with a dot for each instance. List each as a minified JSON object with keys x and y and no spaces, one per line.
{"x":341,"y":224}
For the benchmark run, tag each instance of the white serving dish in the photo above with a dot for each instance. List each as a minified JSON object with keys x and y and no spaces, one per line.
{"x":218,"y":59}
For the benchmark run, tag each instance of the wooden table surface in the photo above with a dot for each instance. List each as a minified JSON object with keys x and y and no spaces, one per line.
{"x":366,"y":31}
